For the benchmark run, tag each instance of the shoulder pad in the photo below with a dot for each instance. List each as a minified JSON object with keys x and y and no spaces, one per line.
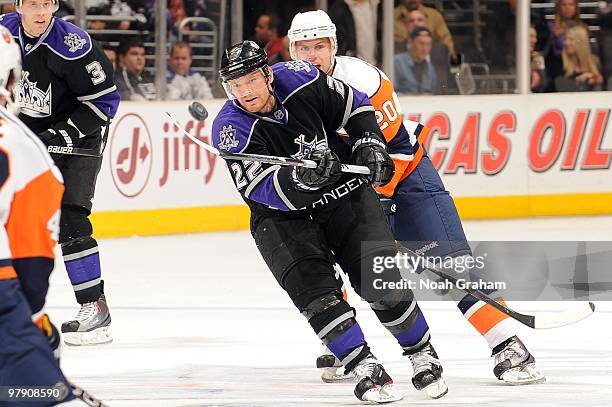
{"x":231,"y":129}
{"x":67,"y":40}
{"x":291,"y":76}
{"x":11,"y":21}
{"x":358,"y":73}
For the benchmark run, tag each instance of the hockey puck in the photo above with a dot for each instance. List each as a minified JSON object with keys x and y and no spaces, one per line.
{"x":198,"y":111}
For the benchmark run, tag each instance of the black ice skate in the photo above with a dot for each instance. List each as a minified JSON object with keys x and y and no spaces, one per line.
{"x":514,"y":364}
{"x":332,"y":370}
{"x":427,"y":372}
{"x":374,"y":384}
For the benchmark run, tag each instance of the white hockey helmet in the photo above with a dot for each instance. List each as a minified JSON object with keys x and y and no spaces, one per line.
{"x":311,"y":25}
{"x":10,"y":66}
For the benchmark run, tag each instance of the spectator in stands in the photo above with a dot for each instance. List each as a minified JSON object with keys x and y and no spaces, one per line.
{"x":348,"y":15}
{"x":538,"y":68}
{"x":580,"y":66}
{"x":283,"y":54}
{"x":435,"y":23}
{"x":112,"y":55}
{"x":132,"y":81}
{"x":439,"y":57}
{"x":267,"y":34}
{"x":183,"y":82}
{"x":414,"y":73}
{"x":567,"y":15}
{"x":605,"y":22}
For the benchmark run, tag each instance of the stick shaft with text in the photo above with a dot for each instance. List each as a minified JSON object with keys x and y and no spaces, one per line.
{"x":198,"y":112}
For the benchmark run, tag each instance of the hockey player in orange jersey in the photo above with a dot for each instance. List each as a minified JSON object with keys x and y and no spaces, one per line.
{"x":425,"y":211}
{"x":30,"y":194}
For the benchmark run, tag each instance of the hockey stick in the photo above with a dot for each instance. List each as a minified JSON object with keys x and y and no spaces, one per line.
{"x":87,"y":398}
{"x":269,"y":159}
{"x":537,"y":321}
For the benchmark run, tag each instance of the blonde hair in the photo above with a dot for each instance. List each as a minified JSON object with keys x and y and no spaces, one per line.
{"x":583,"y":60}
{"x":560,"y":26}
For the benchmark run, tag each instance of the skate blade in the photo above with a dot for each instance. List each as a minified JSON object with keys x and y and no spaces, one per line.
{"x":96,"y":337}
{"x":436,"y":389}
{"x":523,"y":376}
{"x":381,"y":395}
{"x":331,"y":375}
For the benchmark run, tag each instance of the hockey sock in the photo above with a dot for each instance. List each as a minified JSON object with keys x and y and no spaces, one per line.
{"x":83,"y":266}
{"x":492,"y":324}
{"x":406,"y":323}
{"x":334,"y":322}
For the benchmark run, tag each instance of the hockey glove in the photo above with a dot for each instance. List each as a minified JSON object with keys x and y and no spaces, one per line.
{"x":371,"y":151}
{"x":326,"y":173}
{"x":61,"y":134}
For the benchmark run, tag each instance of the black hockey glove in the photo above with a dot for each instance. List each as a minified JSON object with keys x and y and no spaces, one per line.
{"x":371,"y":151}
{"x":326,"y":173}
{"x":61,"y":134}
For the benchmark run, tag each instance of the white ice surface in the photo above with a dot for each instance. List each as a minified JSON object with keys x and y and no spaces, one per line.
{"x":198,"y":320}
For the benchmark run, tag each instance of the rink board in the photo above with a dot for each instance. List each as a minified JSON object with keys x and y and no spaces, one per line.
{"x":500,"y":156}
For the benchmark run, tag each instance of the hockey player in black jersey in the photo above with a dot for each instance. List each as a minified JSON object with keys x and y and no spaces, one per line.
{"x":303,"y":219}
{"x":67,"y":97}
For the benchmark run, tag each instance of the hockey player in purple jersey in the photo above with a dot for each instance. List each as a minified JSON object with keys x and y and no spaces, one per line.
{"x":67,"y":97}
{"x":304,"y":219}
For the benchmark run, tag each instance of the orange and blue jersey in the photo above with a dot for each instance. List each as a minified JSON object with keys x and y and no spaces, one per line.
{"x":30,"y":195}
{"x":403,"y":137}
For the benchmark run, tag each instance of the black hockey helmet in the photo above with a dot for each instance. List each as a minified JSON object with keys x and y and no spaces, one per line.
{"x":241,"y":59}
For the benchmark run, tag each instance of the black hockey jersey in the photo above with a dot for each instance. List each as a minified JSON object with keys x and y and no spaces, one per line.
{"x":310,"y":107}
{"x":66,"y":78}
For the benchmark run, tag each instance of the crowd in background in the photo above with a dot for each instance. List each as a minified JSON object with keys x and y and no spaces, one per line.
{"x":567,"y":53}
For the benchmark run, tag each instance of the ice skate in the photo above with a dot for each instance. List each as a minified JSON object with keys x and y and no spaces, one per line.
{"x":332,"y":370}
{"x":91,"y":326}
{"x":514,"y":364}
{"x":427,"y":372}
{"x":375,"y":385}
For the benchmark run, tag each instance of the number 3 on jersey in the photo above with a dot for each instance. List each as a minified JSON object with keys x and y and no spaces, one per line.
{"x":97,"y":73}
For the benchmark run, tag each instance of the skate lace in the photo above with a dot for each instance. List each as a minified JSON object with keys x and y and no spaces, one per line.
{"x":514,"y":350}
{"x":87,"y":311}
{"x":423,"y":360}
{"x":365,"y":368}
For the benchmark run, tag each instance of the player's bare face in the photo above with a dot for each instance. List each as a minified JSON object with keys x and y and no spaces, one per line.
{"x":318,"y":52}
{"x":36,"y":16}
{"x":252,"y":92}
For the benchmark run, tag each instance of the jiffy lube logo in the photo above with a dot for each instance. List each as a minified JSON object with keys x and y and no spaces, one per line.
{"x":131,"y":158}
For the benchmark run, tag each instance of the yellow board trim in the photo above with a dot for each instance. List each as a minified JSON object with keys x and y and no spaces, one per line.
{"x":236,"y":217}
{"x":170,"y":221}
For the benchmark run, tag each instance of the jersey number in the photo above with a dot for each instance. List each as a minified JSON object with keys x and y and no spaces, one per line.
{"x":253,"y":168}
{"x":54,"y":226}
{"x":387,"y":114}
{"x":97,"y":73}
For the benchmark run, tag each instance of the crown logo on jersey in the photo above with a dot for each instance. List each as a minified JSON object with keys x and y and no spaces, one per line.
{"x":298,"y":66}
{"x":74,"y":41}
{"x":305,"y":147}
{"x":227,"y":138}
{"x":33,"y":101}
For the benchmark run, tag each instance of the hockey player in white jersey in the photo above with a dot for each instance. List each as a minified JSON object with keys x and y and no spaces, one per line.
{"x":425,"y":211}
